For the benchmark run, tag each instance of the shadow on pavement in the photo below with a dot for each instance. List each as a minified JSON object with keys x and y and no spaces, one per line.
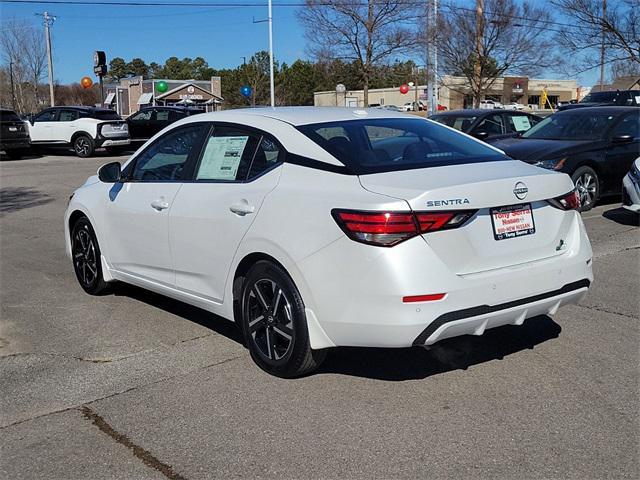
{"x":393,"y":364}
{"x":622,"y":216}
{"x":452,"y":354}
{"x":13,"y":199}
{"x":209,"y":320}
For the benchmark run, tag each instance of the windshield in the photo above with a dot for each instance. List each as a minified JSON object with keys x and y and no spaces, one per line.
{"x":462,"y":123}
{"x":390,"y":144}
{"x":106,"y":115}
{"x":572,"y":127}
{"x":599,"y":97}
{"x":8,"y":116}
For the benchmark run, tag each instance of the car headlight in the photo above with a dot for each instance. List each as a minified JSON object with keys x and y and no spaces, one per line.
{"x":555,"y":164}
{"x":114,"y":130}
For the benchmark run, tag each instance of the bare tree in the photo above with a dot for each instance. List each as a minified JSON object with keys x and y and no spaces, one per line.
{"x":501,"y":38}
{"x":610,"y":27}
{"x":369,"y":32}
{"x":24,"y":49}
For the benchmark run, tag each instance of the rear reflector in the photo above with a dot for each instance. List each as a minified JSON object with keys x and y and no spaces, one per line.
{"x":386,"y":229}
{"x":569,"y":201}
{"x":423,"y":298}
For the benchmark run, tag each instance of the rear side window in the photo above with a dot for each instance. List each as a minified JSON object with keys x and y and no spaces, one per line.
{"x":630,"y":125}
{"x":68,"y":115}
{"x":462,"y":123}
{"x":389,"y":144}
{"x":491,"y":124}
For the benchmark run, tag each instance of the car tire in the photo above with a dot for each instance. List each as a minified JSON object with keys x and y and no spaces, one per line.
{"x":85,"y":255}
{"x":274,"y":323}
{"x":588,"y":186}
{"x":84,"y":146}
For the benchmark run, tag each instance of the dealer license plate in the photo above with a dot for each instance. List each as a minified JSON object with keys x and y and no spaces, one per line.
{"x":512,"y":221}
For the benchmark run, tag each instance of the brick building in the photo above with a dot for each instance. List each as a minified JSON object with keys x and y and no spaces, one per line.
{"x":133,"y":93}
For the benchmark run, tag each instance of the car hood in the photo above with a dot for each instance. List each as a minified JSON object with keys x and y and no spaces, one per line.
{"x":534,"y":150}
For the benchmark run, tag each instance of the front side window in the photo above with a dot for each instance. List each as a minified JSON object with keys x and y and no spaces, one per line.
{"x":46,"y":116}
{"x":572,"y":125}
{"x":630,"y":125}
{"x":492,"y":124}
{"x":166,"y":158}
{"x":519,"y":123}
{"x":389,"y":144}
{"x":227,"y":155}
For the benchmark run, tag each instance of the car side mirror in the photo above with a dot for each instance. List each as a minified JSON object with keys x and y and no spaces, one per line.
{"x":110,"y":172}
{"x":622,"y":138}
{"x":481,"y":134}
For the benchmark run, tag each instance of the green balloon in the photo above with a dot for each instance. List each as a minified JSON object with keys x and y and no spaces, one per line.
{"x":162,"y":86}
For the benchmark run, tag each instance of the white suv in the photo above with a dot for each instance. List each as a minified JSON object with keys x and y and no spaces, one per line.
{"x":82,"y":128}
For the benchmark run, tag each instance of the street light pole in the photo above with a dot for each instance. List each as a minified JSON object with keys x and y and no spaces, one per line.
{"x":271,"y":84}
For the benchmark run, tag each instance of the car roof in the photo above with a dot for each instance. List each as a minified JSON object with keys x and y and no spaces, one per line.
{"x":304,"y":115}
{"x":605,"y":109}
{"x":173,"y":107}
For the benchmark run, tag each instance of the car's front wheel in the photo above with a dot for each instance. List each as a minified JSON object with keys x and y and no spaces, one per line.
{"x":85,"y":253}
{"x":274,"y":323}
{"x":83,"y":146}
{"x":588,"y":187}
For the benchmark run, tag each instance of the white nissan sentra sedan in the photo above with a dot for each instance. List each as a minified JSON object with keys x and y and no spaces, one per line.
{"x":321,"y":227}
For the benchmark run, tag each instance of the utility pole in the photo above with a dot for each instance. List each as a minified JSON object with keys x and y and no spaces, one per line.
{"x":271,"y":85}
{"x":48,"y":20}
{"x":604,"y":16}
{"x":477,"y":68}
{"x":433,"y":104}
{"x":13,"y":94}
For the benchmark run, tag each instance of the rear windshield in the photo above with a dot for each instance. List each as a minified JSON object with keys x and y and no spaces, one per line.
{"x":106,"y":115}
{"x":8,"y":116}
{"x":389,"y":144}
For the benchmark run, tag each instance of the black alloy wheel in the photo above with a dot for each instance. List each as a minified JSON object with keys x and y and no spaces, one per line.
{"x":274,"y":323}
{"x":83,"y":146}
{"x":85,"y":253}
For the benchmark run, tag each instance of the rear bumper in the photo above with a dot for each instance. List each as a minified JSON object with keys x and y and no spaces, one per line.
{"x":475,"y":320}
{"x":14,"y":143}
{"x":112,"y":142}
{"x":356,"y":292}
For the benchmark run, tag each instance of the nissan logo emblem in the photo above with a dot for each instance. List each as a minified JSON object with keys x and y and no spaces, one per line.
{"x":520,"y":191}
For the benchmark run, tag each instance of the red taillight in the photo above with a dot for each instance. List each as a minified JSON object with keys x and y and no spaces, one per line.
{"x":570,"y":201}
{"x":386,"y":229}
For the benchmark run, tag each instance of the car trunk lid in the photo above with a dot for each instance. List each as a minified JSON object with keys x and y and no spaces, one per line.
{"x":485,"y":188}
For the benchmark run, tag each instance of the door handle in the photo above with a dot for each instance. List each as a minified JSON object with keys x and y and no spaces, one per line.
{"x":159,"y":205}
{"x":242,"y":208}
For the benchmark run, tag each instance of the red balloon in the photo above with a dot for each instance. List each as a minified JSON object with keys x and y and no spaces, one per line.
{"x":86,"y":82}
{"x":404,"y":88}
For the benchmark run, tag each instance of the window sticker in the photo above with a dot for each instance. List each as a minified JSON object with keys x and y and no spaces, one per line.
{"x":521,"y":123}
{"x":221,"y":158}
{"x":162,"y":115}
{"x":638,"y":99}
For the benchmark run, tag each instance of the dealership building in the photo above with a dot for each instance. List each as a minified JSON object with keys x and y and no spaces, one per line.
{"x":454,"y":93}
{"x":133,"y":93}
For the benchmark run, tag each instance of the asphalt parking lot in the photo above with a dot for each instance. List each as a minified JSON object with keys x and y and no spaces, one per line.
{"x":134,"y":385}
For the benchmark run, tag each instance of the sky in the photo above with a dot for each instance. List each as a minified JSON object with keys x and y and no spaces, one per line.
{"x":222,"y":35}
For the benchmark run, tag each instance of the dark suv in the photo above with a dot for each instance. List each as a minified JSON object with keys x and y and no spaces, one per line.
{"x":620,"y":98}
{"x":14,"y":136}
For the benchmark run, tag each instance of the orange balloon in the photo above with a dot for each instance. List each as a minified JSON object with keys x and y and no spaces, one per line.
{"x":86,"y":82}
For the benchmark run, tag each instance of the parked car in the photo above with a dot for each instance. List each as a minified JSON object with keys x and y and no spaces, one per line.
{"x":392,"y":108}
{"x":82,"y":128}
{"x":14,"y":136}
{"x":410,"y":106}
{"x":622,"y":98}
{"x":631,"y":188}
{"x":145,"y":123}
{"x":596,"y":146}
{"x":514,"y":106}
{"x":490,"y":104}
{"x":308,"y":228}
{"x":487,"y":124}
